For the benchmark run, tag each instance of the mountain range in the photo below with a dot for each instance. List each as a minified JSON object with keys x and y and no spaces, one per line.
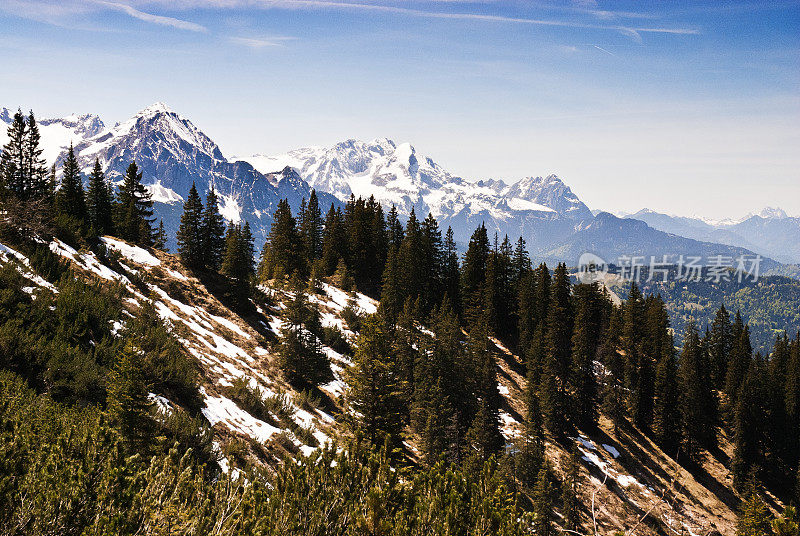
{"x":771,"y":232}
{"x":173,"y":153}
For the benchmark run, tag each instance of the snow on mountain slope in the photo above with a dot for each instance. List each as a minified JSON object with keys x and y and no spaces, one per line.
{"x":56,"y":134}
{"x":396,"y":174}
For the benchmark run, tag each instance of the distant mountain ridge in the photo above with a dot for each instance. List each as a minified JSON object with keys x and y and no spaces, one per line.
{"x":771,"y":232}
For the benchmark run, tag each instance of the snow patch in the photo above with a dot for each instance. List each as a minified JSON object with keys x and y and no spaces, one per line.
{"x":134,"y":253}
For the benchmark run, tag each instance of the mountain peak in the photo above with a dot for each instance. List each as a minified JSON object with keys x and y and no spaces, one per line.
{"x":773,"y":213}
{"x":154,"y":109}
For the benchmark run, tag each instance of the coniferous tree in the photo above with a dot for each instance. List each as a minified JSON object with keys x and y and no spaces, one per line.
{"x":23,"y":172}
{"x":70,"y":200}
{"x":13,"y":162}
{"x":311,"y":230}
{"x":555,"y":372}
{"x":160,"y":237}
{"x":450,"y":272}
{"x":473,"y":273}
{"x":720,"y":345}
{"x":190,"y":232}
{"x":99,"y":202}
{"x":212,"y":230}
{"x":754,"y":514}
{"x":334,"y":240}
{"x":584,"y":350}
{"x":532,"y":440}
{"x":697,"y":416}
{"x":749,"y":417}
{"x":282,"y":255}
{"x":569,"y":491}
{"x":299,"y":349}
{"x":37,"y":180}
{"x":484,"y":434}
{"x":666,"y":409}
{"x":134,"y":209}
{"x":543,"y":504}
{"x":374,"y":384}
{"x":741,"y":356}
{"x":128,"y":404}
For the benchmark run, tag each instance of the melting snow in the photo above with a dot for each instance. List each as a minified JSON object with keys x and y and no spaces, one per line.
{"x":134,"y":253}
{"x":225,"y":411}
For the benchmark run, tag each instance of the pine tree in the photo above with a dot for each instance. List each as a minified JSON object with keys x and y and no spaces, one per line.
{"x":484,"y":434}
{"x":13,"y":162}
{"x":128,"y":404}
{"x":190,"y":232}
{"x":300,"y":351}
{"x":237,"y":262}
{"x":23,"y":172}
{"x":282,"y":255}
{"x":70,"y":200}
{"x":754,"y":514}
{"x":666,"y":411}
{"x":555,"y":375}
{"x":37,"y":180}
{"x":532,"y":440}
{"x":543,"y":504}
{"x":473,"y":273}
{"x":749,"y":417}
{"x":720,"y":344}
{"x":569,"y":491}
{"x":134,"y":209}
{"x":212,"y":230}
{"x":98,"y":202}
{"x":311,"y":230}
{"x":160,"y":237}
{"x":697,"y":422}
{"x":374,"y":384}
{"x":583,"y":409}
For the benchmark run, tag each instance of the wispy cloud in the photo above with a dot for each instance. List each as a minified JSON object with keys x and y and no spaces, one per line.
{"x":260,"y":42}
{"x":155,"y":19}
{"x":333,"y":4}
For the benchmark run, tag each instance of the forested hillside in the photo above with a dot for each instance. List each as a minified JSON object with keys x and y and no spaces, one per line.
{"x":360,"y":378}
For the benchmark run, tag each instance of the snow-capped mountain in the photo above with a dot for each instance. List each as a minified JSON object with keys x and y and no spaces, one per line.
{"x":172,"y":153}
{"x":396,"y":174}
{"x":58,"y":133}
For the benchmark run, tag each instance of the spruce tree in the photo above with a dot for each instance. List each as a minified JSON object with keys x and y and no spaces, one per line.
{"x":311,"y":230}
{"x":749,"y":436}
{"x":720,"y":344}
{"x":13,"y":161}
{"x":583,"y":409}
{"x":754,"y":514}
{"x":212,"y":230}
{"x":300,"y":353}
{"x":666,"y":410}
{"x":543,"y":504}
{"x":282,"y":255}
{"x":570,"y":506}
{"x":473,"y":273}
{"x":134,"y":209}
{"x":98,"y":202}
{"x":160,"y":237}
{"x":128,"y":405}
{"x":374,"y":384}
{"x":70,"y":200}
{"x":555,"y":373}
{"x":190,"y":232}
{"x":697,"y":422}
{"x":37,"y":180}
{"x":23,"y":172}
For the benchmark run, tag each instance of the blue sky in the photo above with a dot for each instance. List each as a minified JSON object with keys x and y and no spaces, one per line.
{"x":683,"y":107}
